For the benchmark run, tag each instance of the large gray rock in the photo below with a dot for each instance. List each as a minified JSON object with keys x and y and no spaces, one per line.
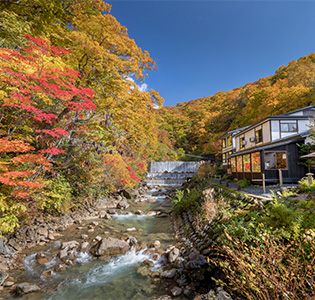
{"x":169,"y":274}
{"x":110,"y":247}
{"x":173,"y":254}
{"x":27,"y":288}
{"x":122,"y":204}
{"x":3,"y":248}
{"x":130,"y":194}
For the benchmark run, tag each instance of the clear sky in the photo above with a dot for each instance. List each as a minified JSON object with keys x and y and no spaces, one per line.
{"x":202,"y":47}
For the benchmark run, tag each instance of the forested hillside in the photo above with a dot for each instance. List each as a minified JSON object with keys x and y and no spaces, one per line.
{"x":195,"y":126}
{"x":74,"y":123}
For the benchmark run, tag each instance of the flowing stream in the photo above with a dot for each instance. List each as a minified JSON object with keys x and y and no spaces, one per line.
{"x":125,"y":277}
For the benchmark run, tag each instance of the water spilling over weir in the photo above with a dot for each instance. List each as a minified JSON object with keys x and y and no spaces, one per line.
{"x":168,"y":173}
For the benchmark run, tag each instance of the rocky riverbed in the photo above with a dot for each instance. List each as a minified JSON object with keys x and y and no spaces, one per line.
{"x":122,"y":248}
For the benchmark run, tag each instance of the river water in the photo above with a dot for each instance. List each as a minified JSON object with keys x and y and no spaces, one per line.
{"x":121,"y":278}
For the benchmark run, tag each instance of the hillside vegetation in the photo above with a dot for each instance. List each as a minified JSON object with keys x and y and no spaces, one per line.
{"x":74,"y":124}
{"x":194,"y":126}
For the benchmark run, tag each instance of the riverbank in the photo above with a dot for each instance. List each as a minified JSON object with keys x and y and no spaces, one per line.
{"x":64,"y":244}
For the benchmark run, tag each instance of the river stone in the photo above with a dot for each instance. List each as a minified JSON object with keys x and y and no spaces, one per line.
{"x":130,"y":194}
{"x":155,"y":244}
{"x":26,"y":288}
{"x":109,"y":247}
{"x":8,"y":283}
{"x":164,"y":297}
{"x":3,"y":248}
{"x":150,"y":213}
{"x":48,"y":273}
{"x":138,"y":212}
{"x":168,"y":274}
{"x":111,"y":211}
{"x":173,"y":254}
{"x":94,"y":223}
{"x":69,"y":245}
{"x":222,"y":295}
{"x":42,"y":258}
{"x":59,"y":268}
{"x":143,"y":271}
{"x":131,"y":229}
{"x":122,"y":204}
{"x":63,"y":254}
{"x":176,"y":291}
{"x":132,"y":241}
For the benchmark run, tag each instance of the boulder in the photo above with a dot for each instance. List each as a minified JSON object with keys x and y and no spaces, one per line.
{"x":104,"y":215}
{"x":109,"y":247}
{"x":111,"y":211}
{"x":130,"y":194}
{"x":176,"y":291}
{"x":42,"y":258}
{"x":132,"y":241}
{"x":70,"y":245}
{"x":3,"y":248}
{"x":173,"y":254}
{"x":169,"y":274}
{"x":122,"y":204}
{"x":155,"y":244}
{"x":26,"y":288}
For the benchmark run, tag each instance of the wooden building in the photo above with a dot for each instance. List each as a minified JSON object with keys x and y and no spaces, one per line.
{"x":269,"y":147}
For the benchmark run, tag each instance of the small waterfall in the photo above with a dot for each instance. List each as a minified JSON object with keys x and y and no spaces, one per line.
{"x":170,"y":173}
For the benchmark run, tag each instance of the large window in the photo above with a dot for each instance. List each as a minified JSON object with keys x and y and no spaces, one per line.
{"x":223,"y":143}
{"x":256,"y":162}
{"x":288,"y":127}
{"x":239,"y":163}
{"x":229,"y":141}
{"x":246,"y":161}
{"x":275,"y":160}
{"x":258,"y":136}
{"x":233,"y":164}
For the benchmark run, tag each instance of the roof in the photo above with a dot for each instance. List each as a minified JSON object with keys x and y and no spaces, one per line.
{"x":233,"y":132}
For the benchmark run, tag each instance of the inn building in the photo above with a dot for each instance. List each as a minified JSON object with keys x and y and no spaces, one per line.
{"x":267,"y":147}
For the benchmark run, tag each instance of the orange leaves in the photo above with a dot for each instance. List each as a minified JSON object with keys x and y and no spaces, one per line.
{"x":32,"y":158}
{"x":14,"y":146}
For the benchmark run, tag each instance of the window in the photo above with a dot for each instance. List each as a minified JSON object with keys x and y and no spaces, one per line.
{"x":255,"y":161}
{"x":239,"y":163}
{"x":229,"y":141}
{"x":223,"y":157}
{"x":242,"y":142}
{"x":275,"y":160}
{"x":258,"y":136}
{"x":233,"y":164}
{"x":224,"y":143}
{"x":288,"y":127}
{"x":246,"y":160}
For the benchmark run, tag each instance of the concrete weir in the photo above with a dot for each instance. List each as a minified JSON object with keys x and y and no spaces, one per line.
{"x":169,"y":173}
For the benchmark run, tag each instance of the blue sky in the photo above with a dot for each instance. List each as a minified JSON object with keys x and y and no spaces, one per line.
{"x":202,"y":47}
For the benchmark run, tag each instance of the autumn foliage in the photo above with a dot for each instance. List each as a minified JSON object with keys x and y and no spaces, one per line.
{"x":74,"y":123}
{"x":195,"y":126}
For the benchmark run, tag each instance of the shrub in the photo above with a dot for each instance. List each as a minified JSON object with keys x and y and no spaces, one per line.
{"x":305,"y":186}
{"x":244,"y":183}
{"x":186,"y":199}
{"x":268,"y":269}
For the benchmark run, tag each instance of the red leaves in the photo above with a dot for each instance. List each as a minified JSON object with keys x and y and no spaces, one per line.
{"x":53,"y":150}
{"x":55,"y":132}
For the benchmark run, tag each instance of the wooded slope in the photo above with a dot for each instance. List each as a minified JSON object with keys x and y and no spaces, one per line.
{"x":195,"y":126}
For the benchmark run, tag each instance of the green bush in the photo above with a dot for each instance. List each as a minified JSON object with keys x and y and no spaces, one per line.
{"x":244,"y":183}
{"x":186,"y":199}
{"x":305,"y":186}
